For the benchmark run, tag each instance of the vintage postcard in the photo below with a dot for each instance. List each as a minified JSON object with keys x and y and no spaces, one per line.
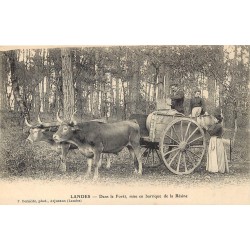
{"x":124,"y":125}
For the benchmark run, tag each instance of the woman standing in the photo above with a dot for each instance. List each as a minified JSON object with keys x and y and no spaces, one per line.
{"x":197,"y":105}
{"x":216,"y":156}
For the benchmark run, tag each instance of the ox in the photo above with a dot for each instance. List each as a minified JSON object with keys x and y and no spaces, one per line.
{"x":75,"y":121}
{"x":94,"y":138}
{"x":44,"y":132}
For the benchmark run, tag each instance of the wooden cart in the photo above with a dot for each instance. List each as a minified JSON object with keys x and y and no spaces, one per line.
{"x":171,"y":138}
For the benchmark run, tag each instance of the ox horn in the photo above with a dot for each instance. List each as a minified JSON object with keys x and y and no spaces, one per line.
{"x":58,"y":118}
{"x":26,"y":122}
{"x":39,"y":119}
{"x":72,"y":119}
{"x":47,"y":124}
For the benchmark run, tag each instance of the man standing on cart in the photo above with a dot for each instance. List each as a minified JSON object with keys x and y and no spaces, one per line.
{"x":177,"y":98}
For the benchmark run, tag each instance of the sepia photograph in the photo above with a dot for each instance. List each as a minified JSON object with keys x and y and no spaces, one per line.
{"x":124,"y":124}
{"x":145,"y":124}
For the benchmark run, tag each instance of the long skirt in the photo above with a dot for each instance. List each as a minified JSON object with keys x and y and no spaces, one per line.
{"x":216,"y":156}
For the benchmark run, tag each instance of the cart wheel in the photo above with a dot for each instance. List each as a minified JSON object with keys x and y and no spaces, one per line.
{"x":182,"y":146}
{"x":151,"y":156}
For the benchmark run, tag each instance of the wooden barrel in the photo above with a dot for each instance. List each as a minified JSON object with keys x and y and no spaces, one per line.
{"x":158,"y":120}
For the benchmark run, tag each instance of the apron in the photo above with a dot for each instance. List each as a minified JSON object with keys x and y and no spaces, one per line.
{"x":216,"y":156}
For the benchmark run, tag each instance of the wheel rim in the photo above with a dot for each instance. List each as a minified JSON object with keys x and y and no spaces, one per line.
{"x":151,"y":156}
{"x":182,"y":146}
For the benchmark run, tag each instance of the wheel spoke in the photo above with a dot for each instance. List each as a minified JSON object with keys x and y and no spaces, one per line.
{"x":187,"y":130}
{"x":196,"y":146}
{"x":153,"y":155}
{"x":147,"y":156}
{"x":190,"y":157}
{"x":192,"y":133}
{"x":185,"y":164}
{"x":158,"y":154}
{"x":146,"y":149}
{"x":171,"y":151}
{"x":193,"y":153}
{"x":181,"y":131}
{"x":179,"y":161}
{"x":191,"y":161}
{"x":196,"y":139}
{"x":173,"y":158}
{"x":173,"y":127}
{"x":172,"y":139}
{"x":171,"y":145}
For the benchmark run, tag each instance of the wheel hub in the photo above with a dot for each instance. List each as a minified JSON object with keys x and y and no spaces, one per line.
{"x":183,"y":146}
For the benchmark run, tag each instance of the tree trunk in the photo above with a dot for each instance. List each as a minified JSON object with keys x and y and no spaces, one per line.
{"x":167,"y":82}
{"x":161,"y":82}
{"x":117,"y":98}
{"x":68,"y":87}
{"x":46,"y":98}
{"x":211,"y":95}
{"x":111,"y":99}
{"x":91,"y":98}
{"x":79,"y":88}
{"x":134,"y":88}
{"x":42,"y":94}
{"x":155,"y":83}
{"x":37,"y":100}
{"x":15,"y":84}
{"x":2,"y":83}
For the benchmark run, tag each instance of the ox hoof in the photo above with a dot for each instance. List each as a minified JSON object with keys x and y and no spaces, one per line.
{"x":95,"y":178}
{"x":86,"y":177}
{"x":62,"y":170}
{"x":137,"y":172}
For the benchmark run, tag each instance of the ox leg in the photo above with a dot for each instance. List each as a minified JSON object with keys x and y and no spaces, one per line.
{"x":135,"y":144}
{"x":101,"y":158}
{"x":98,"y":162}
{"x":108,"y":161}
{"x":132,"y":153}
{"x":137,"y":159}
{"x":89,"y":162}
{"x":135,"y":152}
{"x":65,"y":150}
